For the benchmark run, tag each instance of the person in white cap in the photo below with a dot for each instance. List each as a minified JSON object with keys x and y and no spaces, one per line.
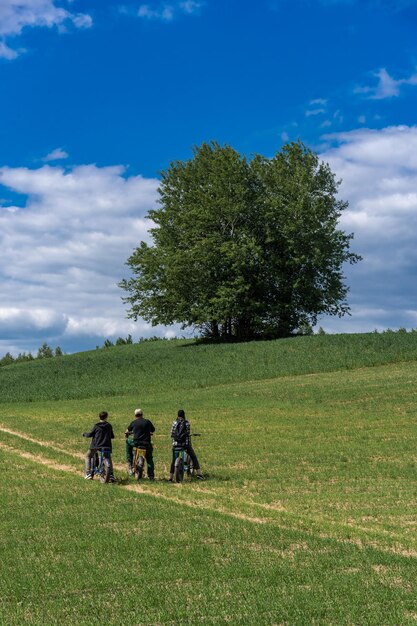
{"x":138,"y":435}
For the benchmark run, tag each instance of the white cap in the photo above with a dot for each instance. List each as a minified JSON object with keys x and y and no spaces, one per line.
{"x":138,"y":412}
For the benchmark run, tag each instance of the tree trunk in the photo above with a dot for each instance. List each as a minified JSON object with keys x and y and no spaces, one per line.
{"x":214,"y":329}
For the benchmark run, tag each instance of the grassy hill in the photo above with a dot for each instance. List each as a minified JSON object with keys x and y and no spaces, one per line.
{"x":308,"y":515}
{"x":179,"y":364}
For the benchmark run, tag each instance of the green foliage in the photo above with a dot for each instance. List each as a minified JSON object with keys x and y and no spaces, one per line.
{"x":7,"y":359}
{"x":305,"y":329}
{"x":45,"y":352}
{"x":22,"y":357}
{"x":120,"y":341}
{"x":243,"y":249}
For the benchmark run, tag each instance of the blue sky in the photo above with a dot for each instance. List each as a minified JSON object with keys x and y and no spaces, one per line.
{"x":97,"y":96}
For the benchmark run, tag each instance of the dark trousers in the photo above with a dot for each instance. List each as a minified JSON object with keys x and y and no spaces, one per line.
{"x":193,"y":457}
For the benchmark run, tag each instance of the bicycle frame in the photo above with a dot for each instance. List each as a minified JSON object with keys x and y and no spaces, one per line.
{"x":183,"y":462}
{"x":139,"y":462}
{"x":184,"y":456}
{"x":99,"y":466}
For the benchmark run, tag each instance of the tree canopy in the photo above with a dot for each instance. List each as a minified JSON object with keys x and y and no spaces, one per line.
{"x":243,"y":248}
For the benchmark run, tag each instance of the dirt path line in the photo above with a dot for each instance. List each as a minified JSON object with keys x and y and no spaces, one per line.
{"x":407,"y":552}
{"x":198,"y":505}
{"x":359,"y":543}
{"x":50,"y":445}
{"x":37,"y":458}
{"x":40,"y":442}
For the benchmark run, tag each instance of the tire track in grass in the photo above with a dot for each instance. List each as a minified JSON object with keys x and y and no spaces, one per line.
{"x":38,"y":458}
{"x":399,"y":550}
{"x":119,"y":466}
{"x":56,"y":448}
{"x":40,"y":442}
{"x":50,"y":445}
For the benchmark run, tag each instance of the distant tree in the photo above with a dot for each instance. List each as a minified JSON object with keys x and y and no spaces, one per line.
{"x":22,"y":357}
{"x":7,"y":359}
{"x":45,"y":352}
{"x":243,"y":249}
{"x":121,"y":341}
{"x":107,"y":343}
{"x":305,"y":329}
{"x":58,"y":351}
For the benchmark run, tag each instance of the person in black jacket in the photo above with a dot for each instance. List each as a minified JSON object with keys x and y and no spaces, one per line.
{"x":138,"y":435}
{"x":102,"y":434}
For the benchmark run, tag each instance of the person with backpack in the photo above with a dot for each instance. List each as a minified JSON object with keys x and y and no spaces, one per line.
{"x":138,"y":435}
{"x":181,"y":437}
{"x":101,"y":434}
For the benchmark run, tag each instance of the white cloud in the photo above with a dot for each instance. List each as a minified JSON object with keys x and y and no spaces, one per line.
{"x":311,"y":112}
{"x":166,"y":12}
{"x":64,"y":252}
{"x":6,"y":52}
{"x":387,"y":86}
{"x":56,"y":155}
{"x":190,"y":6}
{"x":16,"y":15}
{"x":379,"y":173}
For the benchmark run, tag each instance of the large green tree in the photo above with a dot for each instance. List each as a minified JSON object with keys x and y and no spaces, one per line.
{"x":243,"y":249}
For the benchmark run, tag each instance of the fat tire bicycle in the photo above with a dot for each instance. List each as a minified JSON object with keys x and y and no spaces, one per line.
{"x":183,"y":463}
{"x":139,"y":458}
{"x":101,"y":465}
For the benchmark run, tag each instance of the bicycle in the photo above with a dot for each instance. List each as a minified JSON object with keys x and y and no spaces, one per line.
{"x":101,"y":465}
{"x":139,"y":457}
{"x":183,"y":463}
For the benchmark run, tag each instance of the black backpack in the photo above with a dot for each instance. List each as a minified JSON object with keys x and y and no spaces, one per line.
{"x":180,"y":432}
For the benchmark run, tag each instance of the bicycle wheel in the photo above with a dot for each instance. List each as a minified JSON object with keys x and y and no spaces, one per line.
{"x":105,"y":471}
{"x":187,"y":464}
{"x":139,"y":467}
{"x":179,"y":469}
{"x":191,"y":468}
{"x":94,"y":465}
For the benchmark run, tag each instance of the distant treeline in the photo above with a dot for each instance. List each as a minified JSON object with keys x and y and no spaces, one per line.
{"x":46,"y":352}
{"x":123,"y":341}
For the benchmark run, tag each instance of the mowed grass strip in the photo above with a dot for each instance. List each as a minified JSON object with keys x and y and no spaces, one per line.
{"x":89,"y":553}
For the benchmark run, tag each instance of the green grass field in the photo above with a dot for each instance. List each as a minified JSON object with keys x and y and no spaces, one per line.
{"x":308,"y":515}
